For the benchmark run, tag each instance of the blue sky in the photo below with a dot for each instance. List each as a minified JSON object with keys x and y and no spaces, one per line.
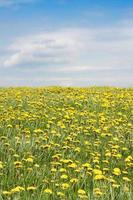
{"x":66,"y":42}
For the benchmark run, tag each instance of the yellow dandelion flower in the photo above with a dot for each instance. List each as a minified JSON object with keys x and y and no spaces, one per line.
{"x":64,"y":176}
{"x":73,"y":165}
{"x":115,"y":185}
{"x":48,"y":191}
{"x":53,"y":170}
{"x":61,"y":194}
{"x":81,"y":192}
{"x":116,"y":171}
{"x":1,"y":165}
{"x":36,"y":165}
{"x":99,"y":177}
{"x":62,"y":170}
{"x":30,"y":160}
{"x":83,"y":197}
{"x":31,"y":188}
{"x":66,"y":161}
{"x":65,"y":186}
{"x":18,"y":164}
{"x":86,"y":165}
{"x":6,"y":193}
{"x":77,"y":149}
{"x":74,"y":180}
{"x":108,"y":154}
{"x":97,"y":192}
{"x":17,"y":189}
{"x":97,"y":172}
{"x":126,"y":179}
{"x":129,"y":159}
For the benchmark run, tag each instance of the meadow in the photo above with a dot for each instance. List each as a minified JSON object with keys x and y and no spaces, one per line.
{"x":66,"y":143}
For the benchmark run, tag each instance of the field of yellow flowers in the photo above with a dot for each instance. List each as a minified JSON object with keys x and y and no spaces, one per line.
{"x":66,"y":143}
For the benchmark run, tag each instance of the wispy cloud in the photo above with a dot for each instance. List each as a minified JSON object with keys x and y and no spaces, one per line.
{"x":81,"y":49}
{"x":47,"y":48}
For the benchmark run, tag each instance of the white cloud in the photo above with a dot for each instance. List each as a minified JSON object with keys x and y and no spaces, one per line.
{"x":47,"y":48}
{"x":81,"y":49}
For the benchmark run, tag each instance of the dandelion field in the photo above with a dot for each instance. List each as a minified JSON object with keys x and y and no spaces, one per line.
{"x":66,"y":143}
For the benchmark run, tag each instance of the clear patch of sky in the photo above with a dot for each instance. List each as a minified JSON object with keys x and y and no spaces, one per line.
{"x":46,"y":14}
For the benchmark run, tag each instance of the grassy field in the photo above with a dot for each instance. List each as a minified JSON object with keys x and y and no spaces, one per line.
{"x":66,"y":143}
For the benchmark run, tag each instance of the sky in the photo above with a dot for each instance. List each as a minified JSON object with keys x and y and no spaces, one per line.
{"x":66,"y":43}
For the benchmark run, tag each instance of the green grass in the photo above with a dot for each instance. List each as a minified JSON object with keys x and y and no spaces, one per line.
{"x":66,"y":143}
